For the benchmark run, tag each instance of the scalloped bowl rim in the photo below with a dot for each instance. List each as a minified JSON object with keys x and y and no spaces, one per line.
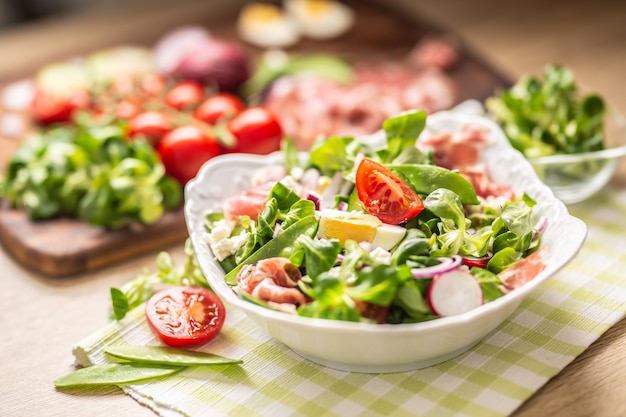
{"x":195,"y":206}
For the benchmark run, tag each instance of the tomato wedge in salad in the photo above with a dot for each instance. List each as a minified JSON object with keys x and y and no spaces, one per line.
{"x":185,"y":315}
{"x":385,"y":195}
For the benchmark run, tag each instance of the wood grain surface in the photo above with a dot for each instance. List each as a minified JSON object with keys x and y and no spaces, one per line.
{"x":41,"y":318}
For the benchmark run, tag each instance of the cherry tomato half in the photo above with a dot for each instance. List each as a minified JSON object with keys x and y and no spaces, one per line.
{"x":184,"y":95}
{"x":185,"y":315}
{"x":222,"y":106}
{"x":151,"y":124}
{"x":185,"y":149}
{"x":256,"y":130}
{"x":385,"y":195}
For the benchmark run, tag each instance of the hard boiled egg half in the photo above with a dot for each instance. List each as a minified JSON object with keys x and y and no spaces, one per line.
{"x":267,"y":26}
{"x":361,"y":227}
{"x":320,"y":19}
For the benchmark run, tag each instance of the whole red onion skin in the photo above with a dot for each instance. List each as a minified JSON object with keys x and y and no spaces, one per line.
{"x":174,"y":45}
{"x":215,"y":63}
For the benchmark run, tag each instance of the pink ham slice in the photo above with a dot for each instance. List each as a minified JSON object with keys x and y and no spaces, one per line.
{"x":311,"y":107}
{"x":247,"y":203}
{"x":524,"y":270}
{"x":273,"y":280}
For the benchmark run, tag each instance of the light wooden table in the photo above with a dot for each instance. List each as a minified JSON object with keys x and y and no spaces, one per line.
{"x":40,"y":318}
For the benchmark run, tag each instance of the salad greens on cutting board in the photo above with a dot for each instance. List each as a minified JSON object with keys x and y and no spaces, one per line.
{"x":92,"y":173}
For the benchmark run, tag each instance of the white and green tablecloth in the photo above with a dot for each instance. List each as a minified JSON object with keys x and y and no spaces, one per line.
{"x":550,"y":328}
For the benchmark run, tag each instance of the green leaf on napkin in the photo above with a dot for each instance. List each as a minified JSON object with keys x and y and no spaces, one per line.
{"x":162,"y":355}
{"x":113,"y":374}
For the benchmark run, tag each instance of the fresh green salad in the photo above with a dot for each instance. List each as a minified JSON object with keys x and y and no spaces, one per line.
{"x":89,"y":172}
{"x":378,"y":235}
{"x":543,"y":117}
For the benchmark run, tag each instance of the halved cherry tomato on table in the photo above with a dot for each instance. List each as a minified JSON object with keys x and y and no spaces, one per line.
{"x":185,"y":149}
{"x":185,"y":315}
{"x":222,"y":106}
{"x":184,"y":95}
{"x":256,"y":130}
{"x":385,"y":195}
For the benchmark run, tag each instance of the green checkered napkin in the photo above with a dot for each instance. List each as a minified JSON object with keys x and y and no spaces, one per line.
{"x":550,"y":328}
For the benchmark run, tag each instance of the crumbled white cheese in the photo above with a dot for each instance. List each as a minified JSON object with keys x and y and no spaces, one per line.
{"x":221,"y":243}
{"x":381,"y":255}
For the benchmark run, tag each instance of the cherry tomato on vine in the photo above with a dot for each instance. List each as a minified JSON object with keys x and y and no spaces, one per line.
{"x":256,"y":130}
{"x":185,"y":149}
{"x":127,"y":108}
{"x":184,"y":95}
{"x":222,"y":106}
{"x":185,"y":315}
{"x":152,"y":85}
{"x":151,"y":124}
{"x":385,"y":195}
{"x":52,"y":107}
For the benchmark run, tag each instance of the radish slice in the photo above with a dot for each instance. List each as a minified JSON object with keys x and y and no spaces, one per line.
{"x":453,"y":293}
{"x":446,"y":265}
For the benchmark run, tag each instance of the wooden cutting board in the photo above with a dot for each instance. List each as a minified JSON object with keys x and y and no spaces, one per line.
{"x":65,"y":247}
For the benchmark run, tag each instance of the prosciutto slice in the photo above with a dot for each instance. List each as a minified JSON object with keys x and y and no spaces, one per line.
{"x":272,"y":280}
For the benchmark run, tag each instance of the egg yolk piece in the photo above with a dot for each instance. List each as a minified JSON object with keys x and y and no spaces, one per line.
{"x":320,"y":19}
{"x":360,"y":227}
{"x":266,"y":25}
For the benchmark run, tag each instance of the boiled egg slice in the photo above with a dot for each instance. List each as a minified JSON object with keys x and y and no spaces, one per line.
{"x":361,"y":227}
{"x":267,"y":26}
{"x":320,"y":19}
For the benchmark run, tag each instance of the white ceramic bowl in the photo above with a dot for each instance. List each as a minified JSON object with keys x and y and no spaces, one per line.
{"x":372,"y":348}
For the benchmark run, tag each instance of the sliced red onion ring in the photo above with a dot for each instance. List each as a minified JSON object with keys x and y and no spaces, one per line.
{"x":343,"y":206}
{"x":315,"y":199}
{"x":446,"y":265}
{"x":540,"y":227}
{"x":477,"y":262}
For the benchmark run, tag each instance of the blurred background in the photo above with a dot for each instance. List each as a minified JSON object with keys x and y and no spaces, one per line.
{"x":14,"y":12}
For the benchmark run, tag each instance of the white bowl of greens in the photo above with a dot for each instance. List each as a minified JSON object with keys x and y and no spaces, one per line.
{"x":573,"y":139}
{"x":413,"y":336}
